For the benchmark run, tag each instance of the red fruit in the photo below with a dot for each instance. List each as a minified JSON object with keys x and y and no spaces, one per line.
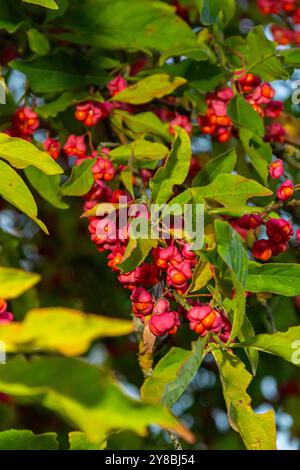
{"x":263,"y":94}
{"x":165,"y":256}
{"x":146,"y":175}
{"x":282,"y":36}
{"x":165,"y":323}
{"x":181,"y":121}
{"x":103,"y":231}
{"x":75,"y":146}
{"x":285,"y":191}
{"x":103,"y":170}
{"x":91,"y":113}
{"x":146,"y":274}
{"x":100,"y":192}
{"x":296,"y":16}
{"x":279,"y":230}
{"x":115,"y":258}
{"x":248,"y":82}
{"x":25,"y":121}
{"x":116,"y":85}
{"x":118,"y":194}
{"x":8,"y":52}
{"x":275,"y":132}
{"x":5,"y":316}
{"x":128,"y":280}
{"x":269,"y":7}
{"x":204,"y":319}
{"x":178,"y":275}
{"x":52,"y":146}
{"x":188,"y":254}
{"x":262,"y":249}
{"x":163,"y":305}
{"x":273,"y":109}
{"x":223,"y":135}
{"x":142,"y":302}
{"x":3,"y":305}
{"x":276,"y":169}
{"x":250,"y":221}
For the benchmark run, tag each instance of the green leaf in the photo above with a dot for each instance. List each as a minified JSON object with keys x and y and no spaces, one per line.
{"x":64,"y":101}
{"x":201,"y":275}
{"x":149,"y":88}
{"x":291,"y":57}
{"x":262,"y":58}
{"x":140,"y":150}
{"x":231,"y":191}
{"x":16,"y":439}
{"x":173,"y":373}
{"x":79,"y":441}
{"x":224,"y":163}
{"x":232,"y":251}
{"x":14,"y":282}
{"x":200,"y":52}
{"x":175,"y":169}
{"x":276,"y":278}
{"x":204,"y":78}
{"x":218,"y":12}
{"x":247,"y":331}
{"x":11,"y":16}
{"x":46,"y":186}
{"x":69,"y":332}
{"x":59,"y":71}
{"x":259,"y":152}
{"x":243,"y":115}
{"x":126,"y":177}
{"x":84,"y":396}
{"x":103,"y":209}
{"x":20,"y":154}
{"x":44,"y":3}
{"x":112,"y":25}
{"x":136,"y":252}
{"x":258,"y":431}
{"x":80,"y":181}
{"x":283,"y":344}
{"x":144,"y":123}
{"x":38,"y":43}
{"x":14,"y":190}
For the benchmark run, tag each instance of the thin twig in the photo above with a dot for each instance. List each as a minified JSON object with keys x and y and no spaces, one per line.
{"x":269,"y":315}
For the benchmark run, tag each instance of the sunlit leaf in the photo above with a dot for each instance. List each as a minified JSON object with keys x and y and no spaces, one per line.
{"x":283,"y":344}
{"x":224,"y":163}
{"x":80,"y":181}
{"x":258,"y":431}
{"x":149,"y":88}
{"x":173,"y":373}
{"x":175,"y":169}
{"x":14,"y":282}
{"x":14,"y":190}
{"x":20,"y":154}
{"x":44,"y":3}
{"x":278,"y":278}
{"x":84,"y":396}
{"x":46,"y":186}
{"x":69,"y":332}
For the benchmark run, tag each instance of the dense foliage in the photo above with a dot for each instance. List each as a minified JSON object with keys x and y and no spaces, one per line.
{"x":110,"y":110}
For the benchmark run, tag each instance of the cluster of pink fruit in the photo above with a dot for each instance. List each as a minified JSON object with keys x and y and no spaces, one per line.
{"x":258,"y":94}
{"x":284,"y":9}
{"x":169,"y":269}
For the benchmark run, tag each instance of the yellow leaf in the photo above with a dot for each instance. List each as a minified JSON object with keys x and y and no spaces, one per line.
{"x":62,"y":330}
